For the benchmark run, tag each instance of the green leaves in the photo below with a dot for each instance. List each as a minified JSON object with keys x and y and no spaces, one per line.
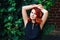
{"x":8,"y":18}
{"x":12,"y":27}
{"x":14,"y":4}
{"x":47,"y":3}
{"x":48,"y":29}
{"x":2,"y":10}
{"x":40,"y":1}
{"x":18,"y":21}
{"x":11,"y":9}
{"x":8,"y":24}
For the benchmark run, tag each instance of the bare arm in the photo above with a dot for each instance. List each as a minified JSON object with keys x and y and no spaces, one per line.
{"x":45,"y":15}
{"x":44,"y":18}
{"x":24,"y":13}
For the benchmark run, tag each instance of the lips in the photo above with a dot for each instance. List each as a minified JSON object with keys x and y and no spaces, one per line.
{"x":32,"y":16}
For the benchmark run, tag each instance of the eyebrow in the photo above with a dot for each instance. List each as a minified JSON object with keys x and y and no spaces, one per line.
{"x":32,"y":12}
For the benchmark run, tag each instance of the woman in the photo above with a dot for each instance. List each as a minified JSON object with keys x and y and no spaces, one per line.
{"x":34,"y":23}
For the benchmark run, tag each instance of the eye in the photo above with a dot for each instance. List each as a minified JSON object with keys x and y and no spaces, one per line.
{"x":31,"y":12}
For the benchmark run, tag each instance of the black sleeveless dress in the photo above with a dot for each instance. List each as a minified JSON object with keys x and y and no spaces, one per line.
{"x":32,"y":32}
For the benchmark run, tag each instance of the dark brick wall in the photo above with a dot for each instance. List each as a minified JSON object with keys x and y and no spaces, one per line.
{"x":54,"y":18}
{"x":51,"y":37}
{"x":55,"y":15}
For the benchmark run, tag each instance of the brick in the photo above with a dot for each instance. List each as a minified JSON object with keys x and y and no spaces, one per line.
{"x":57,"y":19}
{"x":54,"y":15}
{"x":51,"y":20}
{"x":58,"y":23}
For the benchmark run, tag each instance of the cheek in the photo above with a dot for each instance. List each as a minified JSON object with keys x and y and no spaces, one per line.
{"x":31,"y":14}
{"x":35,"y":16}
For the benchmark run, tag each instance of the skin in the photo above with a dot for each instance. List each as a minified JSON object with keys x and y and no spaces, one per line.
{"x":33,"y":15}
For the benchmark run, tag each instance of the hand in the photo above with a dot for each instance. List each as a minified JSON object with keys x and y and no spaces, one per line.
{"x":40,"y":6}
{"x":35,"y":5}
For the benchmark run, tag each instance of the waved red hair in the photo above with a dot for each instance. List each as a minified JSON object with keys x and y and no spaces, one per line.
{"x":39,"y":15}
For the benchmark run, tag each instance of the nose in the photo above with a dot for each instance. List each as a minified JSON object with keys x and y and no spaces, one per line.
{"x":32,"y":14}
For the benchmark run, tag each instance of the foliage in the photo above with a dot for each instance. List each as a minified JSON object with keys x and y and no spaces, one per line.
{"x":11,"y":22}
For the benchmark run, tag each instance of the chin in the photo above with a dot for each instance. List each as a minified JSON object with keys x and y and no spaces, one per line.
{"x":32,"y":18}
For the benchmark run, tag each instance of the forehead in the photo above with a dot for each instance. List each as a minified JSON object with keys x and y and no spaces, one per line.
{"x":33,"y":10}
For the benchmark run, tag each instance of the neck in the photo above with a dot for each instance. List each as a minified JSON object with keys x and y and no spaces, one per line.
{"x":33,"y":21}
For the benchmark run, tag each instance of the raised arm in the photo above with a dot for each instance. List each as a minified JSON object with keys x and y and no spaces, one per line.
{"x":44,"y":17}
{"x":24,"y":13}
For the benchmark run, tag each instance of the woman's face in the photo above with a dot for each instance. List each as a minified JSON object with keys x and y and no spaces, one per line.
{"x":33,"y":14}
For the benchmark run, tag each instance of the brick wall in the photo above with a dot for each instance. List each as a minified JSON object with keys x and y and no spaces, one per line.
{"x":55,"y":15}
{"x":54,"y":18}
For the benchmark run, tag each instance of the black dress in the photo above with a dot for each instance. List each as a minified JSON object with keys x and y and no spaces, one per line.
{"x":32,"y":31}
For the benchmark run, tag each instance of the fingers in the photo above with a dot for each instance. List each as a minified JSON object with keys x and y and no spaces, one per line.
{"x":40,"y":6}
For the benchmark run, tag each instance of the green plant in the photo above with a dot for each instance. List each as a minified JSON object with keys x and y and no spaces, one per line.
{"x":11,"y":22}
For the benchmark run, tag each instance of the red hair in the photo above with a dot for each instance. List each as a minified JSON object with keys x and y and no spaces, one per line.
{"x":39,"y":15}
